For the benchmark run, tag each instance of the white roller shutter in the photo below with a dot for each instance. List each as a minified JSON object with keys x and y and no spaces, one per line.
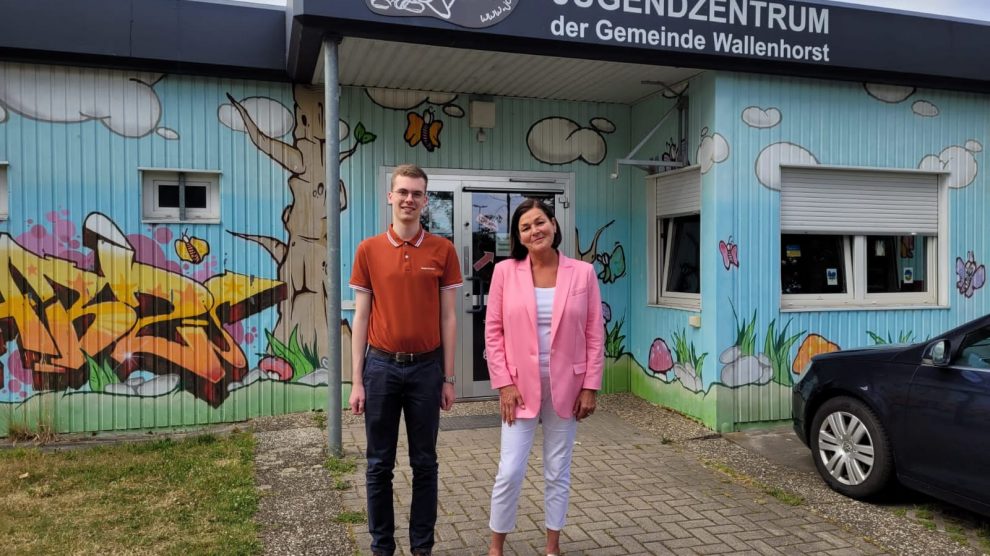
{"x":857,"y":202}
{"x":678,"y":192}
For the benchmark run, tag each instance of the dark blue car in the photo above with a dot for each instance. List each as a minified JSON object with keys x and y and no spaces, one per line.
{"x":920,"y":413}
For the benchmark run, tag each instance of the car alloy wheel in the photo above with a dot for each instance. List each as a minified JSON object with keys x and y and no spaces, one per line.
{"x":846,"y":448}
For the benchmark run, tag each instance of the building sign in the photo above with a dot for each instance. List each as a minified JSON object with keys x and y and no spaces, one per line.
{"x":693,"y":33}
{"x":754,"y":28}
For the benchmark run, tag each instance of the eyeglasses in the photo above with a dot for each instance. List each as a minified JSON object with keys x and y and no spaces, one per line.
{"x":403,"y":193}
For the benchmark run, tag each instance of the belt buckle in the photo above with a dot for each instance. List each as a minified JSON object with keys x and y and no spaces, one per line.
{"x":401,"y":357}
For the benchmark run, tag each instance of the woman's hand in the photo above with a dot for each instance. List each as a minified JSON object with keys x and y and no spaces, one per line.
{"x":508,"y":399}
{"x":585,"y":404}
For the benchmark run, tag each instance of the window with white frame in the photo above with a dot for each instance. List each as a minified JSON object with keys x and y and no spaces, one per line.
{"x":675,"y":238}
{"x":180,"y":195}
{"x":859,"y":237}
{"x":4,"y":193}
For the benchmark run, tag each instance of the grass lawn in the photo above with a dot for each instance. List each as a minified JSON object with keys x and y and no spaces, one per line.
{"x":193,"y":496}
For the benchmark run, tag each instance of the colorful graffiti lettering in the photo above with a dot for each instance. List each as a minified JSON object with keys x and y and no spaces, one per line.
{"x":139,"y":316}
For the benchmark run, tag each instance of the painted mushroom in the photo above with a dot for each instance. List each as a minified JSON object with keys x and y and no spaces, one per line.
{"x":812,"y":345}
{"x":660,"y":358}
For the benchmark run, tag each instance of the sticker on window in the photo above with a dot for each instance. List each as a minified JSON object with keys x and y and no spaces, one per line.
{"x":908,"y":277}
{"x":832,"y":276}
{"x":793,"y":251}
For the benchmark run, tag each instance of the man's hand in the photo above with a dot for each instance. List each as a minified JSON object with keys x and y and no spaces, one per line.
{"x":447,"y":396}
{"x":357,"y":399}
{"x":509,"y":397}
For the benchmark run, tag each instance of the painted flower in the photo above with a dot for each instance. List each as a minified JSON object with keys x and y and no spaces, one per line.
{"x":606,"y":312}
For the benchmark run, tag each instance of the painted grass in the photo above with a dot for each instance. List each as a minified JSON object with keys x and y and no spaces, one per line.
{"x":194,"y":496}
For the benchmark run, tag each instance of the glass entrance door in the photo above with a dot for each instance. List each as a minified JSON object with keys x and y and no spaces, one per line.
{"x":490,"y":219}
{"x":474,"y":213}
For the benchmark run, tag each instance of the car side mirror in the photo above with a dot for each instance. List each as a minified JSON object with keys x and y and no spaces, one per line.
{"x":939,"y":353}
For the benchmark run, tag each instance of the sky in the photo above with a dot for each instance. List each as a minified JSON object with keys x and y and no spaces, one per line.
{"x":968,"y":9}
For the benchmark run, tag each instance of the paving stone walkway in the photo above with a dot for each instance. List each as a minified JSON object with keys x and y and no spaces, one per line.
{"x":632,"y":494}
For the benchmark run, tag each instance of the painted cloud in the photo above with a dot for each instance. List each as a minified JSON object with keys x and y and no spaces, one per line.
{"x":558,"y":140}
{"x":771,"y":157}
{"x":272,"y":117}
{"x":888,"y":93}
{"x":83,"y":94}
{"x":958,"y":161}
{"x":712,"y":149}
{"x":398,"y":99}
{"x":924,"y":108}
{"x":754,"y":116}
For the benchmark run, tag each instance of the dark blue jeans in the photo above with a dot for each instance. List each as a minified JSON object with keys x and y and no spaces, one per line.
{"x":391,"y":389}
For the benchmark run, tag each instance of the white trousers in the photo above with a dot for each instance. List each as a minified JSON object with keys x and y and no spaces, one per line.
{"x":517,"y":440}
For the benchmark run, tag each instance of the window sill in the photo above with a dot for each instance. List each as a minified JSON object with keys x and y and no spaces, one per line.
{"x":178,"y":221}
{"x":681,"y":305}
{"x":808,"y":308}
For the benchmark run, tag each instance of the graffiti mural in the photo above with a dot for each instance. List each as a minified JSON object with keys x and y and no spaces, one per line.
{"x":301,"y":259}
{"x":730,"y":253}
{"x":712,"y":150}
{"x":559,"y":140}
{"x":423,"y":130}
{"x":958,"y":160}
{"x":613,"y":264}
{"x":122,"y":101}
{"x":614,"y":339}
{"x":971,"y":276}
{"x":122,"y":315}
{"x":589,"y":255}
{"x":406,"y":100}
{"x":757,"y":117}
{"x":684,"y":361}
{"x":743,"y":363}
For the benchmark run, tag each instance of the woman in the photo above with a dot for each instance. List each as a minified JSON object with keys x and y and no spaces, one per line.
{"x":544,"y":342}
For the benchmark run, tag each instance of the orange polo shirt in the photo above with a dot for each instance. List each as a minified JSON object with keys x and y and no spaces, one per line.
{"x":405,"y":279}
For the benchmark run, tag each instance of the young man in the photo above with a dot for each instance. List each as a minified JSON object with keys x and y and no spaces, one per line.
{"x":402,"y":341}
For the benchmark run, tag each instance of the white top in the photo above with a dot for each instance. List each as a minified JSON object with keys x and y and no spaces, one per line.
{"x":544,"y":318}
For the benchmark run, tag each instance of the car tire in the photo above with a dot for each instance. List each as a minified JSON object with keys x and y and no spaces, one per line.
{"x":851,"y":448}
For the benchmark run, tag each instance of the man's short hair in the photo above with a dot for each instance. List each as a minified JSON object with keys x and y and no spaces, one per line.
{"x":409,"y":171}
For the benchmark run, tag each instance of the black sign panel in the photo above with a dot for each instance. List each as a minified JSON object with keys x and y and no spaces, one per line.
{"x":769,"y":32}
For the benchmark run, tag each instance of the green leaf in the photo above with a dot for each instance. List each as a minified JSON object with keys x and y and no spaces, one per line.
{"x":359,"y":130}
{"x":298,"y":358}
{"x":99,"y":375}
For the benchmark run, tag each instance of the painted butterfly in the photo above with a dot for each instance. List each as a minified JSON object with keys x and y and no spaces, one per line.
{"x":971,"y":276}
{"x":730,"y":253}
{"x":191,"y":249}
{"x":423,"y":129}
{"x":613,"y":264}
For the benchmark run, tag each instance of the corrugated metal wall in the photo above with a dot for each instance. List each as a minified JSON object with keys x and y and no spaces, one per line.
{"x":108,"y":322}
{"x":840,"y":124}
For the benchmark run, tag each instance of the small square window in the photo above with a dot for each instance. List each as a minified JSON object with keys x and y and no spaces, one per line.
{"x":181,"y":196}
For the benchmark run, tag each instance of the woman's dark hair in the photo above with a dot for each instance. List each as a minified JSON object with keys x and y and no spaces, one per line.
{"x":516,"y":249}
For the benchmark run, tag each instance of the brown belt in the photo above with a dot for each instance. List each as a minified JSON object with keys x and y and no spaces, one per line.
{"x":405,"y":357}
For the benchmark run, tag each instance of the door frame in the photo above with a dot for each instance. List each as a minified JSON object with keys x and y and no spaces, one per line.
{"x":493,"y":180}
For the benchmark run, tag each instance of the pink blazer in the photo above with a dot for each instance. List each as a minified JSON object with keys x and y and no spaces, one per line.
{"x":577,"y":334}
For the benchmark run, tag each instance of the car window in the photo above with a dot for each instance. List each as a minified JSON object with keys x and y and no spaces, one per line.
{"x":975,"y":350}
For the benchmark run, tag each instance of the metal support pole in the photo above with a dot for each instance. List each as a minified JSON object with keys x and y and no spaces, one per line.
{"x":331,"y":99}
